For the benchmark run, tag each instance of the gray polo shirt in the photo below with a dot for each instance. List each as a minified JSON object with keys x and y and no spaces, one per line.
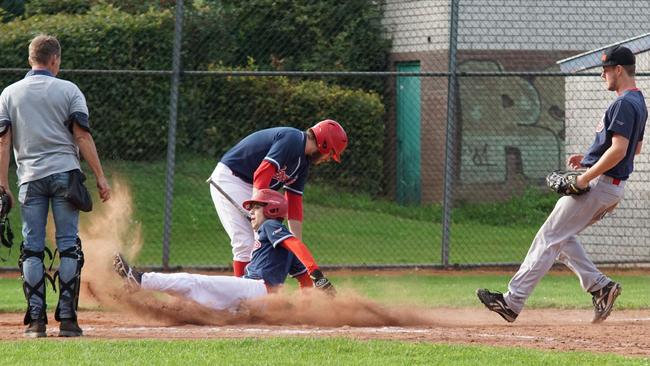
{"x":40,"y":110}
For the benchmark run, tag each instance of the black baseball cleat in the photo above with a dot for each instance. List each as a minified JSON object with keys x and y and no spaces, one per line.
{"x":35,"y":329}
{"x":494,"y":301}
{"x":70,"y":328}
{"x":132,"y":277}
{"x":603,"y":300}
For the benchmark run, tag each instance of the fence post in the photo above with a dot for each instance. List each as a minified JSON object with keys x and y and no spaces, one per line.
{"x":450,"y":139}
{"x":171,"y":136}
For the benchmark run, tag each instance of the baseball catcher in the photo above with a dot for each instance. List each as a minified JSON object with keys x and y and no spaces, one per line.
{"x":565,"y":183}
{"x":274,"y":257}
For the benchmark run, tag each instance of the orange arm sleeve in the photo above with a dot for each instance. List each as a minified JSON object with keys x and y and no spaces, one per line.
{"x":295,"y":205}
{"x":263,"y":175}
{"x":299,"y":249}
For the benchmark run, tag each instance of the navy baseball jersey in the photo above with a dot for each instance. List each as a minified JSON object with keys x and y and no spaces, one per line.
{"x":271,"y":262}
{"x":626,"y":116}
{"x":283,"y":147}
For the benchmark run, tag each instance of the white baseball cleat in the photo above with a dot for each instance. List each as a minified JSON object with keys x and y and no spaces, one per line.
{"x":132,"y":277}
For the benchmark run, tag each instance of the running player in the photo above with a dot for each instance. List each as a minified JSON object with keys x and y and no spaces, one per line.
{"x":271,"y":261}
{"x":609,"y":163}
{"x":273,"y":158}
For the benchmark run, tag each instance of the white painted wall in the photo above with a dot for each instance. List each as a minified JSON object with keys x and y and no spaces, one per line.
{"x":416,"y":25}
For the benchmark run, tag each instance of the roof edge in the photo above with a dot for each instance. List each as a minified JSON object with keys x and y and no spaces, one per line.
{"x":591,"y":59}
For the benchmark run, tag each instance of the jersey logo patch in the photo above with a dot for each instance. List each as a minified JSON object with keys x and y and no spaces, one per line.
{"x":257,"y":245}
{"x":601,"y":124}
{"x":282,"y":176}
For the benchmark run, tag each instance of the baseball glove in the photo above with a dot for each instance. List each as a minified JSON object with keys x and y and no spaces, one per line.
{"x":565,"y":183}
{"x":6,"y":235}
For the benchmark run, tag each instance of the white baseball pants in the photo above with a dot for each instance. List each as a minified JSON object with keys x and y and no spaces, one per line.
{"x":238,"y":228}
{"x":557,"y":239}
{"x":216,"y":292}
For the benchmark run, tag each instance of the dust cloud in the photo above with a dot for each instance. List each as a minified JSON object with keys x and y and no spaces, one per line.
{"x":109,"y":229}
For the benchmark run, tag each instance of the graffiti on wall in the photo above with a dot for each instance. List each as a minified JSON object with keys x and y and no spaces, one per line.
{"x":501,"y":115}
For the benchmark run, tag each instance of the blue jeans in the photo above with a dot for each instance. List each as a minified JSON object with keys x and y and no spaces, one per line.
{"x":35,"y":198}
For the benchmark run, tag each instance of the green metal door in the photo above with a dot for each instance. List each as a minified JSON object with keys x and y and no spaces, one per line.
{"x":408,"y":134}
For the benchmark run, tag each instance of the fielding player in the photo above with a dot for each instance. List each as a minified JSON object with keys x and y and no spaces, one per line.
{"x":272,"y":259}
{"x":609,"y":163}
{"x":272,"y":158}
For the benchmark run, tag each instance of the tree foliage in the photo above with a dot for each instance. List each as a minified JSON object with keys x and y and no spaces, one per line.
{"x":130,"y":113}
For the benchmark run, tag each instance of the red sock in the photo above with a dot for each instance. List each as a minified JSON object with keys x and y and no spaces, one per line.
{"x":304,"y":280}
{"x":238,"y":268}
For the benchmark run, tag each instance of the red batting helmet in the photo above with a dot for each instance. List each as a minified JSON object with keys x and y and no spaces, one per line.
{"x":275,"y":205}
{"x":330,"y":136}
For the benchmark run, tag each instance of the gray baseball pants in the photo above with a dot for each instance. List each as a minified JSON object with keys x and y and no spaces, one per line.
{"x":557,"y":240}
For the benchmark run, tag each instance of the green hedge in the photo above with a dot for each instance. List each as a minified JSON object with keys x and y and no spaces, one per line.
{"x":129,"y":114}
{"x":105,"y":38}
{"x":217,"y":112}
{"x":319,"y":35}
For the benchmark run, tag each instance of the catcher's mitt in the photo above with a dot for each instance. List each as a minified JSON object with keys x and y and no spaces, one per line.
{"x":6,"y":235}
{"x":565,"y":183}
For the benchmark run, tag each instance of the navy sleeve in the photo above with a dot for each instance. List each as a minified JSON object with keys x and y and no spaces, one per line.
{"x":79,"y":118}
{"x":283,"y":149}
{"x":5,"y":120}
{"x":296,"y":268}
{"x":622,"y":116}
{"x":4,"y":126}
{"x":275,"y":232}
{"x":642,"y":133}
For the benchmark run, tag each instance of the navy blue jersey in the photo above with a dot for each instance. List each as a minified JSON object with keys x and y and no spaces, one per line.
{"x":626,"y":116}
{"x":283,"y":147}
{"x":271,"y":262}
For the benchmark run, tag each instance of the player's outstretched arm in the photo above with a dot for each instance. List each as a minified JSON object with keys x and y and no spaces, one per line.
{"x":300,"y":250}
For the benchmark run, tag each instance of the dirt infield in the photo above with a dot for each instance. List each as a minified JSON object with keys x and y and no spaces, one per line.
{"x":625,"y":332}
{"x":142,"y":314}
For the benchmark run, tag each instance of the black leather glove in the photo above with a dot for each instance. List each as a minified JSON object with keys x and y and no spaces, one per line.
{"x":322,"y":283}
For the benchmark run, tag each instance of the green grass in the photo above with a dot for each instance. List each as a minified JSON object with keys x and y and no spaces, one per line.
{"x":286,"y":351}
{"x":340,"y":227}
{"x":556,"y":290}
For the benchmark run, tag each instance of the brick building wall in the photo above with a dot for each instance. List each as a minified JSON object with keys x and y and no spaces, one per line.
{"x":511,"y":130}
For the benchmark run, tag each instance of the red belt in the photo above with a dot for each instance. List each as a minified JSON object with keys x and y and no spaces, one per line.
{"x":616,"y":181}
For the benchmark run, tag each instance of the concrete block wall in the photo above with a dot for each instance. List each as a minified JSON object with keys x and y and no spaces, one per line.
{"x":423,"y":25}
{"x":549,"y":24}
{"x":417,"y":26}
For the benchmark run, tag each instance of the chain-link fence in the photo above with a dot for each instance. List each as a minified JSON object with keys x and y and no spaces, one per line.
{"x":455,"y":112}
